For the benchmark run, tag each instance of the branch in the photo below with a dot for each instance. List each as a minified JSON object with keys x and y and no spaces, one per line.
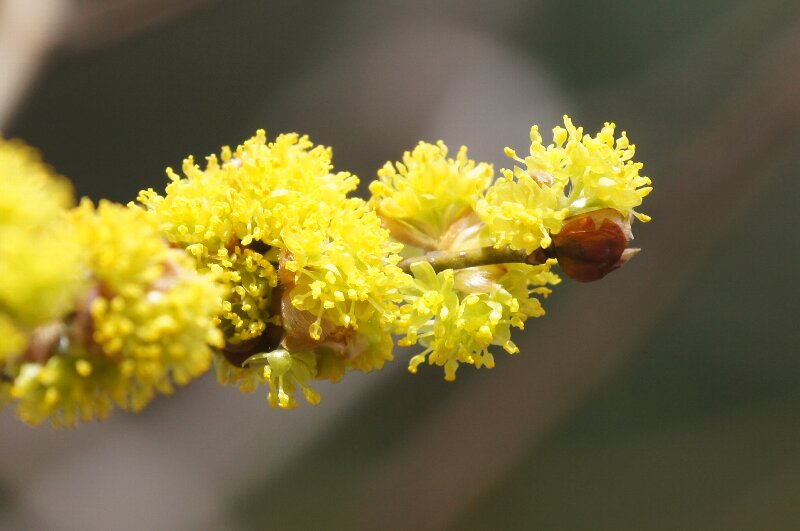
{"x":441,"y":260}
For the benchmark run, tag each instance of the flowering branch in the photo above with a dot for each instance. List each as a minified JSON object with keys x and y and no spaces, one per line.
{"x":261,"y":263}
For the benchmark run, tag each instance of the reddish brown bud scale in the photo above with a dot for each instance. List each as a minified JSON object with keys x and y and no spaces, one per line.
{"x":43,"y":342}
{"x":590,"y":246}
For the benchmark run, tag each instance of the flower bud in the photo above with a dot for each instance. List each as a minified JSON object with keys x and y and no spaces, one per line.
{"x":591,"y":245}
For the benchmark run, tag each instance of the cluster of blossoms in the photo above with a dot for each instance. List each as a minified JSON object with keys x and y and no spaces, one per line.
{"x":96,"y":309}
{"x":312,"y":277}
{"x":261,"y":262}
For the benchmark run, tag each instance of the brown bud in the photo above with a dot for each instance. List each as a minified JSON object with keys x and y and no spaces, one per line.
{"x":81,"y":327}
{"x":591,"y":245}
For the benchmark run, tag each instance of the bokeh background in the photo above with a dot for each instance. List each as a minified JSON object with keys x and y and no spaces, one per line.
{"x":665,"y":397}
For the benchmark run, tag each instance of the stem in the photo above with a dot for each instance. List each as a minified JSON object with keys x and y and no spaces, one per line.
{"x":441,"y":260}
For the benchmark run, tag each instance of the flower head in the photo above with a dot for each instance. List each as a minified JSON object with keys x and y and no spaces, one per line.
{"x":33,"y":194}
{"x":343,"y":269}
{"x":521,"y":212}
{"x":596,"y":171}
{"x":273,"y":222}
{"x":566,"y":181}
{"x":39,"y":259}
{"x":458,"y":319}
{"x":421,"y":197}
{"x":231,"y":216}
{"x":145,"y":324}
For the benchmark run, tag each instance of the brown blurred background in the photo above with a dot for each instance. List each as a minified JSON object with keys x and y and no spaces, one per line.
{"x":665,"y":397}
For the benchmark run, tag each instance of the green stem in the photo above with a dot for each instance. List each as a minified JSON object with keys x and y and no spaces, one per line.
{"x":441,"y":260}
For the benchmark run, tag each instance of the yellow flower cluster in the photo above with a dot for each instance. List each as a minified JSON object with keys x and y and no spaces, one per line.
{"x":260,"y":261}
{"x":522,"y":213}
{"x":40,"y":272}
{"x":458,"y":315}
{"x":39,"y":262}
{"x":429,"y":201}
{"x":344,"y":269}
{"x":32,"y":206}
{"x":67,"y":389}
{"x":423,"y":195}
{"x":95,"y":309}
{"x":269,"y":204}
{"x":152,"y":308}
{"x":577,"y":173}
{"x":146,"y":324}
{"x":32,"y":194}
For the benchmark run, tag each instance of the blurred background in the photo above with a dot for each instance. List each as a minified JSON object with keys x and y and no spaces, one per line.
{"x":665,"y":397}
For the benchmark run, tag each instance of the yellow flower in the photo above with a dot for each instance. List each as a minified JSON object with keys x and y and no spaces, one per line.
{"x":457,"y":316}
{"x":284,"y":372}
{"x":520,"y":212}
{"x":422,"y":196}
{"x":232,"y":215}
{"x":599,"y":170}
{"x":39,"y":259}
{"x":41,"y":273}
{"x":152,"y":309}
{"x":67,"y":389}
{"x":576,"y":174}
{"x":12,"y":339}
{"x":275,"y":206}
{"x":344,"y":268}
{"x":32,"y":194}
{"x":146,"y":324}
{"x":246,"y":378}
{"x":342,"y":287}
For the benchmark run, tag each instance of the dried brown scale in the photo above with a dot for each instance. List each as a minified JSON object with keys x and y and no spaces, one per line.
{"x":43,"y":342}
{"x":78,"y":327}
